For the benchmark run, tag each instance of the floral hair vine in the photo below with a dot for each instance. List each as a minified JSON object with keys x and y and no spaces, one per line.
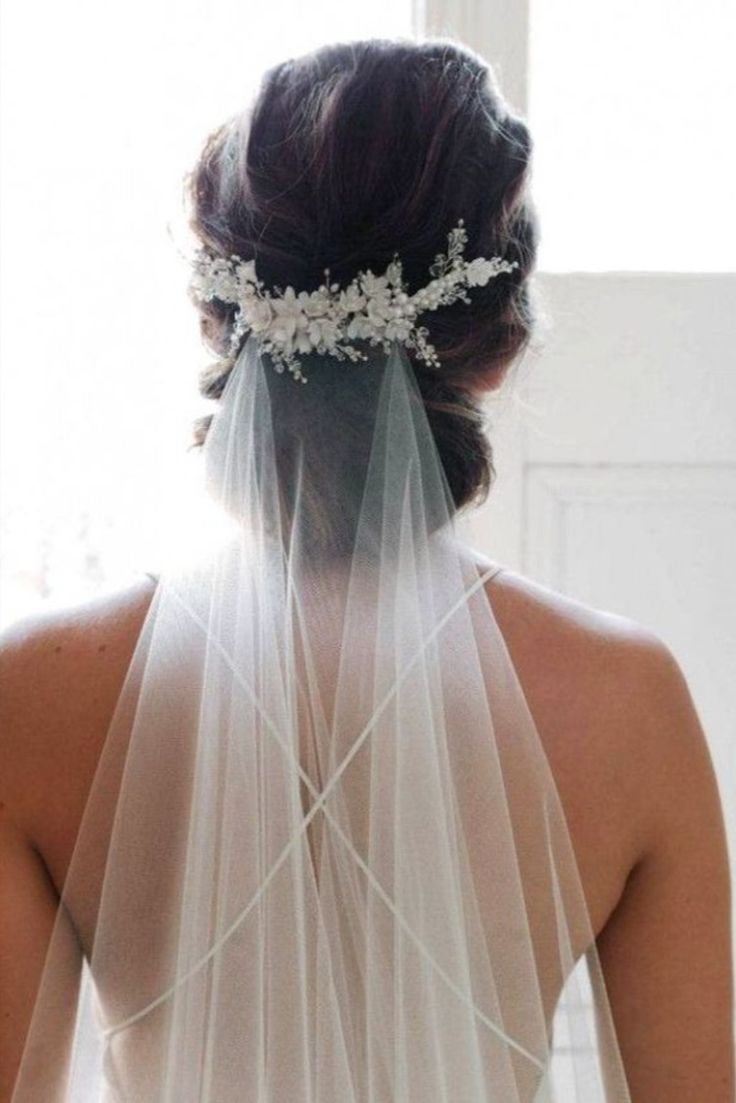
{"x":373,"y":308}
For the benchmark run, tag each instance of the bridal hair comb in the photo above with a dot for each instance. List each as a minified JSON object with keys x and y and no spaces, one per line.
{"x":373,"y":308}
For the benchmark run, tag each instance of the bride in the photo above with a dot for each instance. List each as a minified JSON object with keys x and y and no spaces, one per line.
{"x":341,"y":811}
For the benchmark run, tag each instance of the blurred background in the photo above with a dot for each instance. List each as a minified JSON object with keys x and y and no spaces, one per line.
{"x":615,"y":445}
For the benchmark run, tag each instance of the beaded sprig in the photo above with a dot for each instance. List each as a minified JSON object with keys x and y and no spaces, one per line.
{"x":373,"y":308}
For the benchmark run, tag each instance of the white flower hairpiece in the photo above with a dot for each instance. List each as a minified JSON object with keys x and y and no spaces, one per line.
{"x":373,"y":308}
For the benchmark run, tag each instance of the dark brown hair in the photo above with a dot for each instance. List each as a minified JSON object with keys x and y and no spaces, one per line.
{"x":363,"y":149}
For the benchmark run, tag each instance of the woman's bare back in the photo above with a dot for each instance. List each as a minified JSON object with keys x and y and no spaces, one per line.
{"x":81,"y":657}
{"x":623,"y":743}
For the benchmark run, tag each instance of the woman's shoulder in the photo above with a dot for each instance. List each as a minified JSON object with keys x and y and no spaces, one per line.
{"x":560,"y":636}
{"x":61,"y":672}
{"x":41,"y":644}
{"x":611,"y":703}
{"x":601,"y":669}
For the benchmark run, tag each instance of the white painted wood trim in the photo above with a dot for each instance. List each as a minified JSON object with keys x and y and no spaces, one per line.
{"x":551,"y":488}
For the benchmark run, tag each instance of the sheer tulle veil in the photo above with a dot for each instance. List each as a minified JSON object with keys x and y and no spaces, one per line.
{"x":323,"y":859}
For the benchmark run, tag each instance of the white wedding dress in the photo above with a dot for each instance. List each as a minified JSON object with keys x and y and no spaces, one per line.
{"x":324,"y":859}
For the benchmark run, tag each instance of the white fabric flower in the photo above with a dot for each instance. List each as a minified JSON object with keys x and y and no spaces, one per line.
{"x":399,"y":329}
{"x":220,"y":283}
{"x":379,"y":311}
{"x":351,"y":300}
{"x":478,"y":272}
{"x":289,"y":321}
{"x":374,"y":286}
{"x":314,"y":304}
{"x":323,"y":331}
{"x":257,"y":313}
{"x":361,"y":328}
